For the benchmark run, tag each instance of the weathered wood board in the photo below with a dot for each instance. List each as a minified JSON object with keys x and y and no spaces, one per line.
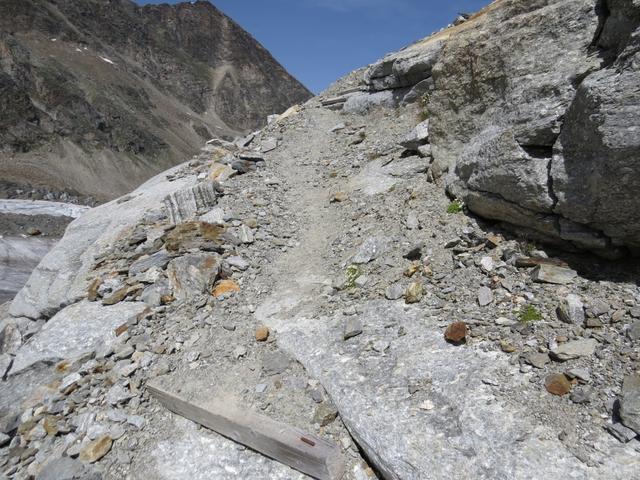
{"x":306,"y":453}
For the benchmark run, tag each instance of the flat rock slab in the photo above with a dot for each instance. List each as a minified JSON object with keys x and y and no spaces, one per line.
{"x":553,"y":274}
{"x":77,"y":329}
{"x":454,"y":426}
{"x":575,"y":349}
{"x":630,"y":403}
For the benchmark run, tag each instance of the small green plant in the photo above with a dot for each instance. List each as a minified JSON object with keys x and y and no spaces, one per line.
{"x":529,"y":248}
{"x":352,"y":273}
{"x":424,"y":107}
{"x":455,"y":207}
{"x":529,"y":313}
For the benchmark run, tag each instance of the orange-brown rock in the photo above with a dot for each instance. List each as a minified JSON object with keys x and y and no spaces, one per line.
{"x":194,"y":235}
{"x":339,"y":197}
{"x":121,"y":329}
{"x":262,"y":334}
{"x":557,"y":384}
{"x":456,"y":333}
{"x":96,"y":449}
{"x":225,"y":287}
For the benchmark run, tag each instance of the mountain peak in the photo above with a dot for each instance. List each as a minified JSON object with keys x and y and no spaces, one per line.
{"x":103,"y":93}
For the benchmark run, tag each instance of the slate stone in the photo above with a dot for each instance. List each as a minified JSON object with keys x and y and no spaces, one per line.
{"x":274,"y":363}
{"x":159,"y":259}
{"x":394,"y":291}
{"x":418,"y":136}
{"x":553,"y":274}
{"x":630,"y":403}
{"x":537,"y":360}
{"x":571,"y":310}
{"x":352,"y":328}
{"x":485,"y":296}
{"x":581,"y":395}
{"x":622,"y":433}
{"x":118,"y":394}
{"x":634,"y":331}
{"x":65,"y":468}
{"x":193,"y":274}
{"x":370,"y":249}
{"x":190,"y":202}
{"x":574,"y":349}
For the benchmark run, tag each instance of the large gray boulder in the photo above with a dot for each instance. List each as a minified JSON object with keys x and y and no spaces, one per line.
{"x":596,"y":162}
{"x":544,"y":138}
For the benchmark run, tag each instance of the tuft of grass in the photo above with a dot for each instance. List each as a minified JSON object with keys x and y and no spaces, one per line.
{"x":455,"y":207}
{"x":424,"y":107}
{"x":529,"y":314}
{"x":529,"y":248}
{"x":352,"y":273}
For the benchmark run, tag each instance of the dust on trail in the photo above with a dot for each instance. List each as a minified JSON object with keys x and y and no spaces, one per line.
{"x":298,"y":276}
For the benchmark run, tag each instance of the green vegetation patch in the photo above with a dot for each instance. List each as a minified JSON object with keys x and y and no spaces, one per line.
{"x":529,"y":313}
{"x":352,"y":273}
{"x":455,"y":207}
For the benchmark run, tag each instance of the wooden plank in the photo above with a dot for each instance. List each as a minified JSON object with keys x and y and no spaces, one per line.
{"x":306,"y":453}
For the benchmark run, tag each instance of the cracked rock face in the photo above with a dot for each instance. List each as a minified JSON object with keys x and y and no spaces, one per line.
{"x":535,"y":115}
{"x":552,"y":149}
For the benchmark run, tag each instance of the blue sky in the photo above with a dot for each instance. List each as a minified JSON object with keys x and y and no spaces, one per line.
{"x":318,"y":41}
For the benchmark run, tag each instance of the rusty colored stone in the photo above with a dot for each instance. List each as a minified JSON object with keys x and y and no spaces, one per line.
{"x":225,"y":287}
{"x":528,"y":262}
{"x":412,"y":269}
{"x":262,"y":334}
{"x":50,"y":425}
{"x":121,"y":329}
{"x":194,"y":235}
{"x":96,"y":449}
{"x":339,"y":197}
{"x":506,"y":347}
{"x":557,"y":384}
{"x":167,"y":299}
{"x":456,"y":333}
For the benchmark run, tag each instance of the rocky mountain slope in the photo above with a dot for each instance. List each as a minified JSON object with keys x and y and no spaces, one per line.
{"x":319,"y":274}
{"x":97,"y":96}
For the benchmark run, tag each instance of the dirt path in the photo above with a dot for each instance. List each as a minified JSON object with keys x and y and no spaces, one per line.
{"x":298,"y":276}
